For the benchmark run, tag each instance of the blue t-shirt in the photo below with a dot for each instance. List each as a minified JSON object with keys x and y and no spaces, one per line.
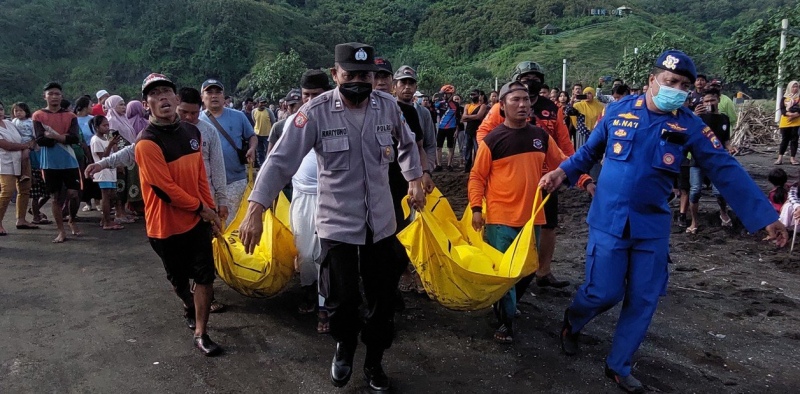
{"x":238,"y":128}
{"x":83,"y":123}
{"x":58,"y":157}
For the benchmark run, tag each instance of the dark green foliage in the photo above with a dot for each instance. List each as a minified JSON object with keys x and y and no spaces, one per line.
{"x":93,"y":44}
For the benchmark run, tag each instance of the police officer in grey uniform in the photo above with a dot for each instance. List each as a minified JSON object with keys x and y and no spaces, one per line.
{"x":351,"y":129}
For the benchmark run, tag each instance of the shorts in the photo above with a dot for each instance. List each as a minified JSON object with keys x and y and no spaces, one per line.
{"x":55,"y":180}
{"x":551,"y":210}
{"x":684,"y":179}
{"x":107,"y":185}
{"x":187,"y":256}
{"x":445,"y":134}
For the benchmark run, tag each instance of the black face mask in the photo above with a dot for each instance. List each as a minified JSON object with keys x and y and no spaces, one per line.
{"x":534,"y":87}
{"x":355,"y":92}
{"x":474,"y":99}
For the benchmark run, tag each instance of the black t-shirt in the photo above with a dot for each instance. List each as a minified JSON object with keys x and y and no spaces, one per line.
{"x":719,"y":124}
{"x":473,"y":125}
{"x":398,"y":186}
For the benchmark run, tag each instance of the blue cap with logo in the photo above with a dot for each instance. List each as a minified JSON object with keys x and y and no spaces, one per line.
{"x":677,"y":62}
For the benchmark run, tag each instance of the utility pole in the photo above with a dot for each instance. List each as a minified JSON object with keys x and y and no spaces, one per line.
{"x":564,"y":75}
{"x":784,"y":29}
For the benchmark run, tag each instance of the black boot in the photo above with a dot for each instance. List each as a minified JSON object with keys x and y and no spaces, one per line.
{"x":342,"y":365}
{"x":569,"y":340}
{"x":373,"y":371}
{"x":629,"y":384}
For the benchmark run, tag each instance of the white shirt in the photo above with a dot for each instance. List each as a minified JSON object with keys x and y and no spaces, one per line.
{"x":98,"y":146}
{"x":10,"y":161}
{"x":305,"y":180}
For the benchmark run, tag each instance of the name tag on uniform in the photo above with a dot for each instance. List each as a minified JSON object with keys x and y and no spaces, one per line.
{"x":383,"y":128}
{"x":334,"y":132}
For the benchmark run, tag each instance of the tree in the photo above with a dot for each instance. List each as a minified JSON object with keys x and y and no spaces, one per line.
{"x":752,"y":55}
{"x":274,"y":78}
{"x":635,"y":66}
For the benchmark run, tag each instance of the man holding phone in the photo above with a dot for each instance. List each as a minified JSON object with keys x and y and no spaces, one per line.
{"x":708,"y":111}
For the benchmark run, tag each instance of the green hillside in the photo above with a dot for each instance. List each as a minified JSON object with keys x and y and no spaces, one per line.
{"x":92,"y":44}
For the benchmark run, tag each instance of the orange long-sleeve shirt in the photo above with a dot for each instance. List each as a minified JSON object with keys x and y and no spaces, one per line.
{"x":550,"y":117}
{"x":506,"y":173}
{"x":173,"y":178}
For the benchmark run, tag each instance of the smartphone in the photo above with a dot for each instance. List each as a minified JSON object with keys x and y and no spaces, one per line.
{"x":712,"y":108}
{"x":581,"y":97}
{"x":114,"y":133}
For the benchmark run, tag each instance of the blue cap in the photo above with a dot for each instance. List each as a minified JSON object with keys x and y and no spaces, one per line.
{"x":677,"y":62}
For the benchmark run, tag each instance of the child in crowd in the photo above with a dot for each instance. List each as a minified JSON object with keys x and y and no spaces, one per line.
{"x":22,"y":119}
{"x":39,"y":196}
{"x":790,"y":212}
{"x":778,"y":195}
{"x":102,"y":146}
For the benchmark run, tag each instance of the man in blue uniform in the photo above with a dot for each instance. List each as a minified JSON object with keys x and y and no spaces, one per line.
{"x":643,"y":138}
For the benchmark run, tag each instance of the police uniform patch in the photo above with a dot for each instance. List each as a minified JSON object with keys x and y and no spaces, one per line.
{"x":387,"y":152}
{"x":716,"y":142}
{"x":621,"y":133}
{"x":639,"y":103}
{"x":676,"y":127}
{"x":668,"y":159}
{"x":617,"y":148}
{"x":628,"y":116}
{"x":545,"y":113}
{"x":194,"y":144}
{"x":300,"y":120}
{"x":537,"y":143}
{"x":361,"y":55}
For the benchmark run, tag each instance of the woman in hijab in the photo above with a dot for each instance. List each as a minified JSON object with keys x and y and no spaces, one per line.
{"x":128,"y":188}
{"x":790,"y":122}
{"x":137,"y":116}
{"x":118,"y":121}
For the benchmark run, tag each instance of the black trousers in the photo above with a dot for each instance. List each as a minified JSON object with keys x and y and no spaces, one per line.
{"x":379,"y":266}
{"x":789,"y":137}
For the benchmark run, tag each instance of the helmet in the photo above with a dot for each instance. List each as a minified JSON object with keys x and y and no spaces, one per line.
{"x":447,"y":89}
{"x":527,"y":67}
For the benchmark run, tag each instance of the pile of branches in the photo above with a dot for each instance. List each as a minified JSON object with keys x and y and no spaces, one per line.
{"x":755,"y":126}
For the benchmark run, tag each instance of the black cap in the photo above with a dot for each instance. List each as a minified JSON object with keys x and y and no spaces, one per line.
{"x":354,"y":56}
{"x":293,"y":97}
{"x":153,"y":80}
{"x":383,"y":65}
{"x":315,"y":79}
{"x":52,"y":85}
{"x":211,"y":82}
{"x":262,"y":99}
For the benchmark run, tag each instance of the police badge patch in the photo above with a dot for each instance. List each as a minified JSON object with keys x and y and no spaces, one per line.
{"x":537,"y":143}
{"x":194,"y":144}
{"x":300,"y":120}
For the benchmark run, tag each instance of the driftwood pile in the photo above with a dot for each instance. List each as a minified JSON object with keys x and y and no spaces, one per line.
{"x":755,"y":126}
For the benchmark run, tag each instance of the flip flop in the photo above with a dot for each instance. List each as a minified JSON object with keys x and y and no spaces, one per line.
{"x":114,"y":227}
{"x":27,"y":227}
{"x":728,"y":223}
{"x":42,"y":221}
{"x":3,"y":233}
